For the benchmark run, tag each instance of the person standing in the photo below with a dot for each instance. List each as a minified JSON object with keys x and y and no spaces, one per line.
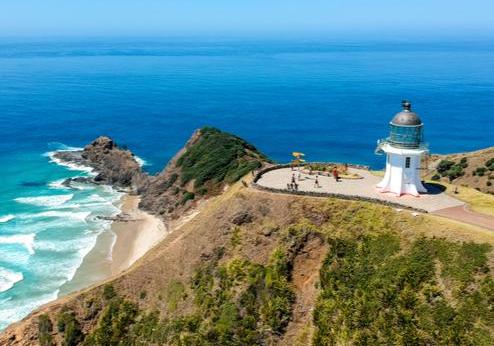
{"x":335,"y":174}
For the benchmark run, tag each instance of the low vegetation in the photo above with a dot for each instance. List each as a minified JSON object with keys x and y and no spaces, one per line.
{"x":69,"y":327}
{"x":236,"y":303}
{"x":430,"y":292}
{"x":450,"y":169}
{"x":45,"y":329}
{"x":218,"y":158}
{"x":474,"y":169}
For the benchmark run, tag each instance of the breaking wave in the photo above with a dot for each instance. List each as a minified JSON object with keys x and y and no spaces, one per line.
{"x":6,"y":218}
{"x":8,"y":279}
{"x":26,"y":240}
{"x":140,"y":161}
{"x":69,"y":165}
{"x":45,"y":201}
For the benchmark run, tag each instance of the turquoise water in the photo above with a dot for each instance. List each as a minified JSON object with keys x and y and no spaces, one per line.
{"x":45,"y":230}
{"x":329,"y":99}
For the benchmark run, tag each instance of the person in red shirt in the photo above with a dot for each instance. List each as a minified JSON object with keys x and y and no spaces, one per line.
{"x":335,"y":174}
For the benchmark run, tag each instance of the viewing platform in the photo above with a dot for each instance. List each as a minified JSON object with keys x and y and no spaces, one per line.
{"x":361,"y":187}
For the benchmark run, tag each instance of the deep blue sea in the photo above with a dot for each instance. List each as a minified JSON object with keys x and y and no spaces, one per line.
{"x":331,"y":99}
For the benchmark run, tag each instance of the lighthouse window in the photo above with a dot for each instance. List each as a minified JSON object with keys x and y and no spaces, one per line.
{"x":407,"y":162}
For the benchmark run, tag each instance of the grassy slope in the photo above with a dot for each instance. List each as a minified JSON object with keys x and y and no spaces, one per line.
{"x":200,"y":285}
{"x":218,"y":158}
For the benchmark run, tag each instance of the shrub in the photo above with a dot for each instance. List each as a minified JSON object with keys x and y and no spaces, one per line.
{"x":108,"y":292}
{"x":114,"y":323}
{"x":490,"y":164}
{"x":488,"y":183}
{"x":444,"y":166}
{"x":45,"y":328}
{"x":454,"y":172}
{"x":174,"y":294}
{"x":69,"y":326}
{"x":480,"y":171}
{"x":436,"y":177}
{"x":188,"y":196}
{"x":451,"y":169}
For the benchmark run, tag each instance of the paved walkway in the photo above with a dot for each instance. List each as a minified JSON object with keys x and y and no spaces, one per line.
{"x":462,"y":214}
{"x":365,"y":187}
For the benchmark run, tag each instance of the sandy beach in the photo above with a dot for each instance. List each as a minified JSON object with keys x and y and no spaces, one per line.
{"x":131,"y":235}
{"x":136,"y":236}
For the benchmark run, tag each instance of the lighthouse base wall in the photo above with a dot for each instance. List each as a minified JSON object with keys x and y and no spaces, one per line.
{"x":402,"y":174}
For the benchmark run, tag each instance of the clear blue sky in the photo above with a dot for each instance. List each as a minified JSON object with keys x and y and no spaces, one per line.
{"x":190,"y":17}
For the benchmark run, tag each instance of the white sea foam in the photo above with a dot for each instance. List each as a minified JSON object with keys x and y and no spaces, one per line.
{"x":58,"y":185}
{"x":6,"y":218}
{"x":79,"y":215}
{"x":26,"y":240}
{"x":140,"y":161}
{"x":15,"y":309}
{"x":45,"y":201}
{"x":69,"y":165}
{"x":63,"y":147}
{"x":95,"y":198}
{"x":8,"y":279}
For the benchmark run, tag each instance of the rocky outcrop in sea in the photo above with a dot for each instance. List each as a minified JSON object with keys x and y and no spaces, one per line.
{"x":114,"y":166}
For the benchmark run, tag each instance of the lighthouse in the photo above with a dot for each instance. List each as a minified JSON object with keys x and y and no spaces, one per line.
{"x":403,"y":149}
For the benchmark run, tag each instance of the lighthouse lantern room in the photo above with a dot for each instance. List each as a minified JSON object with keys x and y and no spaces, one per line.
{"x":404,"y":149}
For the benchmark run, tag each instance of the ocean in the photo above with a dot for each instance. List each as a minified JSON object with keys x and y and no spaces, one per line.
{"x":331,"y":99}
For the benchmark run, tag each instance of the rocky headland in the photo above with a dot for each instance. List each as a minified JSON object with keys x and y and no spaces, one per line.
{"x":209,"y":161}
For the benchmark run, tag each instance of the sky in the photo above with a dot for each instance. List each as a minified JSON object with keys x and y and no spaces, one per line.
{"x":231,"y":17}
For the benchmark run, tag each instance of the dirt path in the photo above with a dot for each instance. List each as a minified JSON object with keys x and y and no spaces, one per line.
{"x":463,"y":214}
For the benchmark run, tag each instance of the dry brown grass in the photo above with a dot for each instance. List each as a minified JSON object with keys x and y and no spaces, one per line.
{"x":476,"y":200}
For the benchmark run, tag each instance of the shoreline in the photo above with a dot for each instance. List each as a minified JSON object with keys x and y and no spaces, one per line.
{"x":117,"y":248}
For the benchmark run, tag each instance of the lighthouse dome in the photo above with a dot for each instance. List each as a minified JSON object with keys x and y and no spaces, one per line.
{"x":406,"y":128}
{"x":406,"y":117}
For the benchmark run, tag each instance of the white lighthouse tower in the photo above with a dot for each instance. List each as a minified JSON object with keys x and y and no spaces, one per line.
{"x":403,"y":148}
